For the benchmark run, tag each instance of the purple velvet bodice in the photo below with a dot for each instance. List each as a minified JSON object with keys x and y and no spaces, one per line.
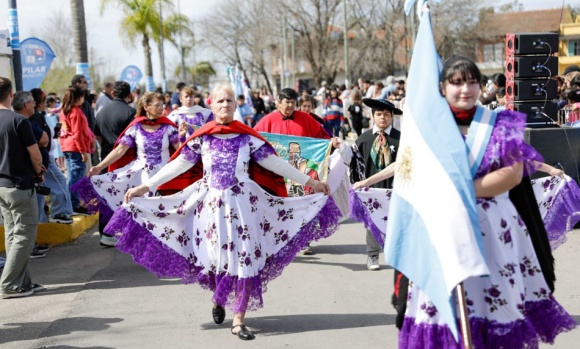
{"x":226,"y":160}
{"x":150,"y":146}
{"x":507,"y":147}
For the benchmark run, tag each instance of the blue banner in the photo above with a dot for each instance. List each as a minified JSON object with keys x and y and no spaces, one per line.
{"x":132,"y":75}
{"x":150,"y":84}
{"x":84,"y":70}
{"x":37,"y":57}
{"x":308,"y":155}
{"x":13,"y":27}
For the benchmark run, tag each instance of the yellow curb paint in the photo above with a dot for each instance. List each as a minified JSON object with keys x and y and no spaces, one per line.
{"x":56,"y":233}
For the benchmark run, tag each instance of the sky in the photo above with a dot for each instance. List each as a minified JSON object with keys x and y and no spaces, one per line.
{"x":103,"y":30}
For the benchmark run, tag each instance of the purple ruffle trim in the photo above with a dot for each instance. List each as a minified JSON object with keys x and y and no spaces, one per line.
{"x":359,"y":212}
{"x":239,"y":294}
{"x":509,"y":146}
{"x":93,"y":202}
{"x":544,"y":320}
{"x":563,"y":214}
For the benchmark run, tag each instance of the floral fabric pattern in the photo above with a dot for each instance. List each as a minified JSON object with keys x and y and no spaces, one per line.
{"x":224,"y":231}
{"x":104,"y":193}
{"x":509,"y":308}
{"x":559,"y":203}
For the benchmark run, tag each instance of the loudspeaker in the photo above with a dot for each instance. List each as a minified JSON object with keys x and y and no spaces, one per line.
{"x":535,"y":110}
{"x":531,"y":44}
{"x":557,"y":146}
{"x":533,"y":89}
{"x":531,"y":66}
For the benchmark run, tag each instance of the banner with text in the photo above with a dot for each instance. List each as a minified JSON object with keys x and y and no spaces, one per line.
{"x":37,"y":57}
{"x":132,"y":75}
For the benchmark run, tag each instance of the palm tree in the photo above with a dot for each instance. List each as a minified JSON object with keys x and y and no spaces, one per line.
{"x":201,"y":72}
{"x":77,"y":9}
{"x":170,"y":28}
{"x":141,"y":19}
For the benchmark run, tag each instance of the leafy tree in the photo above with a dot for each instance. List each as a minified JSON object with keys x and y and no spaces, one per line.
{"x":200,"y":72}
{"x":141,"y":20}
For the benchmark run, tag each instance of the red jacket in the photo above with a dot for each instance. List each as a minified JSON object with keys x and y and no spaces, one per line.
{"x":75,"y":135}
{"x":301,"y":124}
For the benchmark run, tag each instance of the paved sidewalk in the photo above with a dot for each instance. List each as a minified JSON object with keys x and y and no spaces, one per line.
{"x":98,"y":298}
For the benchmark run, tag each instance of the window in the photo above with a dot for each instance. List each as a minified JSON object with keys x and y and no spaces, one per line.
{"x":574,"y":47}
{"x":493,"y":52}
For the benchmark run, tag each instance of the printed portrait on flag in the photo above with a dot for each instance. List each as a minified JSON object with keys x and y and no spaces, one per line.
{"x":308,"y":155}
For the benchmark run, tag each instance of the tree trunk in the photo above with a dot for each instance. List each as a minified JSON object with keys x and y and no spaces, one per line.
{"x":147,"y":53}
{"x":77,"y":9}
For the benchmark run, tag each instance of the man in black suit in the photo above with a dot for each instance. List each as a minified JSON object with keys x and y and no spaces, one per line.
{"x":378,"y":147}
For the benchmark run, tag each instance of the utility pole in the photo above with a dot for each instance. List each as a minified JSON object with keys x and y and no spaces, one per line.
{"x":284,"y":53}
{"x":15,"y":43}
{"x":293,"y":82}
{"x":345,"y":35}
{"x":183,"y":77}
{"x":162,"y":50}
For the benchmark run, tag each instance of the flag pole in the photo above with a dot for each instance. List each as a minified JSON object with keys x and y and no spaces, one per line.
{"x":464,"y":320}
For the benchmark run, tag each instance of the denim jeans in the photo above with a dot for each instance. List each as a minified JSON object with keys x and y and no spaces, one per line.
{"x":76,"y":171}
{"x":60,"y":200}
{"x":334,"y":125}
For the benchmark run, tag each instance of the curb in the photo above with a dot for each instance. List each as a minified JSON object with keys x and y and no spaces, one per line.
{"x":57,"y":233}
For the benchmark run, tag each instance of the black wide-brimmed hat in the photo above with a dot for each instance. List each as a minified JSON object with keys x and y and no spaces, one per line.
{"x":382,"y":104}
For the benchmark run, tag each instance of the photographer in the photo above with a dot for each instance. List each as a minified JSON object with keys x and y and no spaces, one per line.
{"x":20,"y":162}
{"x":24,"y":104}
{"x":495,"y":82}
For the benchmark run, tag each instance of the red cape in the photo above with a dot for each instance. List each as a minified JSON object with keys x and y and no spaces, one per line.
{"x":130,"y":154}
{"x":268,"y":180}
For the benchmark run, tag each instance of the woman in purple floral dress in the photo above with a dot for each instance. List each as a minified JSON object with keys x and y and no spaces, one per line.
{"x":513,"y":306}
{"x":151,"y":137}
{"x":223,"y":231}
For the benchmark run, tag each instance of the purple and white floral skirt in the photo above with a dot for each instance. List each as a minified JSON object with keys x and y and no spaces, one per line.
{"x":559,"y":203}
{"x":511,"y":308}
{"x":104,"y":193}
{"x":231,"y":241}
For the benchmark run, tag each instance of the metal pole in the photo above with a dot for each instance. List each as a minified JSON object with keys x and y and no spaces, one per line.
{"x":15,"y":43}
{"x":285,"y":53}
{"x":293,"y":82}
{"x":183,"y":76}
{"x":162,"y":50}
{"x":465,"y":328}
{"x":345,"y":35}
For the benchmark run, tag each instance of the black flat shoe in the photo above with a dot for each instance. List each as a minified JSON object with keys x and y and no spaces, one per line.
{"x":243,"y":333}
{"x":219,"y":314}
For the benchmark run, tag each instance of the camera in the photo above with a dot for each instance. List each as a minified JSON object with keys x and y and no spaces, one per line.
{"x":42,"y":190}
{"x":57,"y":128}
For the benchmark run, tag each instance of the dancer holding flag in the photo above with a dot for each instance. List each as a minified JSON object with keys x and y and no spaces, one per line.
{"x":225,"y":231}
{"x":439,"y":235}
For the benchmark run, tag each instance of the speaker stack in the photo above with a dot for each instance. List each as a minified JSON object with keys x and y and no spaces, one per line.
{"x":531,"y":61}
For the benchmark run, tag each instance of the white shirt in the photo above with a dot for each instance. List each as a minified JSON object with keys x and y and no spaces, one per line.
{"x":387,"y":130}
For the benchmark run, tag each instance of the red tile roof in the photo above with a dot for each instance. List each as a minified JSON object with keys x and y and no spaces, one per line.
{"x":499,"y":24}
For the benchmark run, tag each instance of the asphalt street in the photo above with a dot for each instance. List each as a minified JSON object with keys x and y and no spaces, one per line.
{"x":98,"y":298}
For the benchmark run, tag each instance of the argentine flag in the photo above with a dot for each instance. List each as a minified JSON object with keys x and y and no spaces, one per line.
{"x":433,"y":229}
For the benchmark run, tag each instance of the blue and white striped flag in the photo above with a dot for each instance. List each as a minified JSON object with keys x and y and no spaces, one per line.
{"x":433,"y":229}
